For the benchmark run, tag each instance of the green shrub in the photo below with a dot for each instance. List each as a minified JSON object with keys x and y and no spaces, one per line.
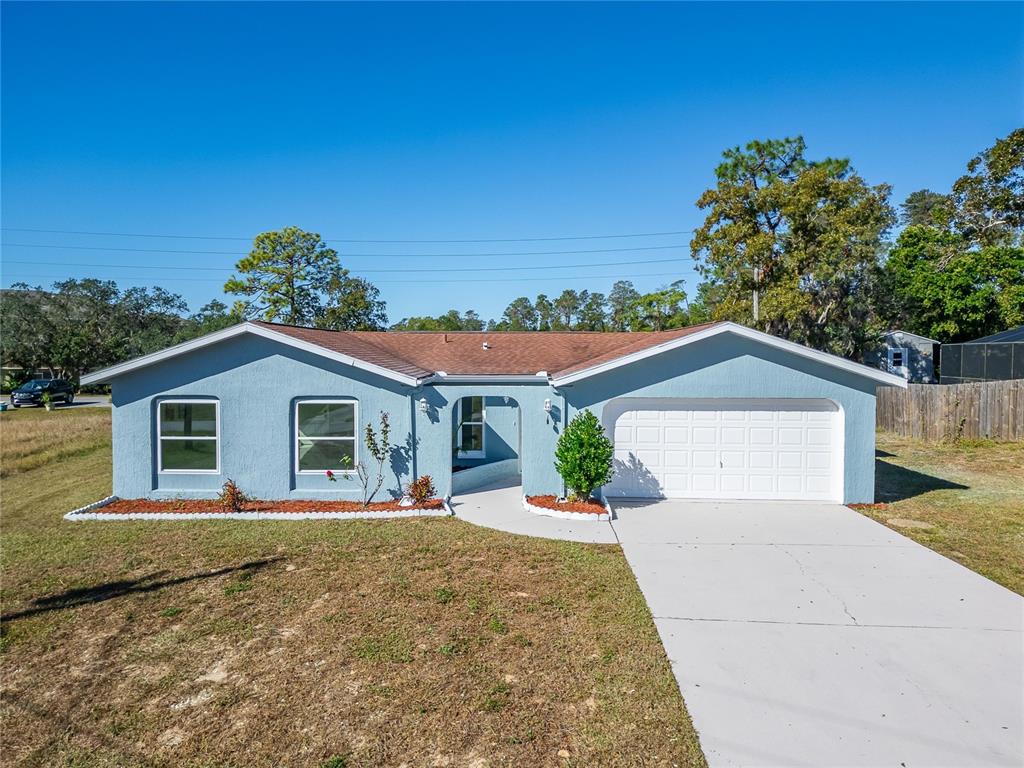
{"x":583,"y":456}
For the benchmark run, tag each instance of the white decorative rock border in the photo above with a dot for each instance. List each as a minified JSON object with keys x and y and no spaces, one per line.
{"x":91,"y":512}
{"x":567,"y":515}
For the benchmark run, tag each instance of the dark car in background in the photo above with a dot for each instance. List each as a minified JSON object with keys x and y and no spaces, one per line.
{"x":31,"y":392}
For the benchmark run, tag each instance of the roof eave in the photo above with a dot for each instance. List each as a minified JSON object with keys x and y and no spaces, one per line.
{"x":911,"y":333}
{"x":486,"y":378}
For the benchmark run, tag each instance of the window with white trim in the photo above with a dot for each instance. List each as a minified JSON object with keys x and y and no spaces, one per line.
{"x":188,"y":436}
{"x":469,"y":438}
{"x":325,"y":436}
{"x":897,"y":357}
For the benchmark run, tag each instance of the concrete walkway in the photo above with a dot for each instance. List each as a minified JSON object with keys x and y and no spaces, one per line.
{"x":501,"y":507}
{"x":805,"y":634}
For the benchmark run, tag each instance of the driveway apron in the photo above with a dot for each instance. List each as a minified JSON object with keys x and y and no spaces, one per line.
{"x":805,"y":634}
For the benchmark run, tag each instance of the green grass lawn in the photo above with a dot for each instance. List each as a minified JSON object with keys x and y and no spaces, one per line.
{"x":361,"y":643}
{"x":965,"y":501}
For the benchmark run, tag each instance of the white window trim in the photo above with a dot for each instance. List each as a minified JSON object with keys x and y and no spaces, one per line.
{"x":160,"y":437}
{"x":354,"y":438}
{"x":482,"y":453}
{"x":903,"y":356}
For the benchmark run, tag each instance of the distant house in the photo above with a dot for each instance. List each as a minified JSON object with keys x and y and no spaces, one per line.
{"x":908,"y":355}
{"x":991,"y":358}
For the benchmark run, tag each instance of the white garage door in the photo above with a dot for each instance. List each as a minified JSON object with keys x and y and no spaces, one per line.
{"x":726,"y":449}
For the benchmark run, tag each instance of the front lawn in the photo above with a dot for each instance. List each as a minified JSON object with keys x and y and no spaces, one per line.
{"x":354,"y":643}
{"x":965,"y":501}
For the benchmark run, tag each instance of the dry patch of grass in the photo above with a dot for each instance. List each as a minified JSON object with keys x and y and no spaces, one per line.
{"x":355,"y":643}
{"x":965,"y":501}
{"x":35,"y":437}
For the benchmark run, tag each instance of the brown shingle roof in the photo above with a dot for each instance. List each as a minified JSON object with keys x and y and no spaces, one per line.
{"x":421,"y":353}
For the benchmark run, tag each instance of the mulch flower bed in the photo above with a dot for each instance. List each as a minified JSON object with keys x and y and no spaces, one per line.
{"x":552,"y":502}
{"x":877,"y":505}
{"x":206,"y":506}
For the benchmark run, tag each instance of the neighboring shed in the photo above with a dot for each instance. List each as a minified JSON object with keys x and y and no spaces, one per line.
{"x":906,"y":354}
{"x":998,"y":357}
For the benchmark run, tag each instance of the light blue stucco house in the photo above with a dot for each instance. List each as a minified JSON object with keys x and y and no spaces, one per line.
{"x":711,"y":411}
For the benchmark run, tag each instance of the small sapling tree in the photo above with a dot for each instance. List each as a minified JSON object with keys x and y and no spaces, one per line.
{"x":378,"y":445}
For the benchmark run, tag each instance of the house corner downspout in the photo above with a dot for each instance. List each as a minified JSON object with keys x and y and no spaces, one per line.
{"x":565,"y":423}
{"x":412,"y":431}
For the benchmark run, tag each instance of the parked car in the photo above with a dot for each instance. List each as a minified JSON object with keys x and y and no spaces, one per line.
{"x":31,"y":392}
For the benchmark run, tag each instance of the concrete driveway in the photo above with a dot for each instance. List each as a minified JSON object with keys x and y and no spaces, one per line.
{"x":806,"y":634}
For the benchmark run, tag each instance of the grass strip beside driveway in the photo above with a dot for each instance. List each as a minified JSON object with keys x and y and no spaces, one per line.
{"x":965,"y":501}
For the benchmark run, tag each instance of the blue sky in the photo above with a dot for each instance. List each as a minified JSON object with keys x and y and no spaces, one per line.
{"x":488,"y":121}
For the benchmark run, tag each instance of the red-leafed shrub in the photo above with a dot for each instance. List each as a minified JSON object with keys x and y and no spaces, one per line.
{"x":421,"y":490}
{"x":231,"y":496}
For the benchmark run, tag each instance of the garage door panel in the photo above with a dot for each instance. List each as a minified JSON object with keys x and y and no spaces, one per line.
{"x":732,"y":459}
{"x":646,"y":434}
{"x":819,"y":436}
{"x":677,"y":435}
{"x":676,"y":482}
{"x":705,"y":436}
{"x":790,"y":484}
{"x":791,"y":436}
{"x":733,"y":436}
{"x":727,"y":449}
{"x":817,"y":484}
{"x":704,"y":483}
{"x":649,"y":458}
{"x":819,"y":460}
{"x":704,"y":459}
{"x":790,"y":460}
{"x":733,"y":483}
{"x":677,"y":459}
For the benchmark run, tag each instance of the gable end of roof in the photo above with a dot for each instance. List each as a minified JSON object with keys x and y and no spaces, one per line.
{"x":256,"y":329}
{"x":579,"y":373}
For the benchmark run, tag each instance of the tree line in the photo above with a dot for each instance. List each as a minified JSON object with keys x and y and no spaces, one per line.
{"x":623,"y":309}
{"x":794,"y":246}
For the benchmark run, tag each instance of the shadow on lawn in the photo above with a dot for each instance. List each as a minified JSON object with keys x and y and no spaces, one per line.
{"x":895,"y":483}
{"x":111,"y":589}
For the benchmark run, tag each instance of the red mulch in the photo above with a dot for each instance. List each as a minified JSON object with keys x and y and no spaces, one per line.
{"x":552,"y":502}
{"x":183,"y":506}
{"x":868,"y":506}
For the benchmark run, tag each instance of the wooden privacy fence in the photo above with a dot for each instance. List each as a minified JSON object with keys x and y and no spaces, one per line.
{"x":992,"y":409}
